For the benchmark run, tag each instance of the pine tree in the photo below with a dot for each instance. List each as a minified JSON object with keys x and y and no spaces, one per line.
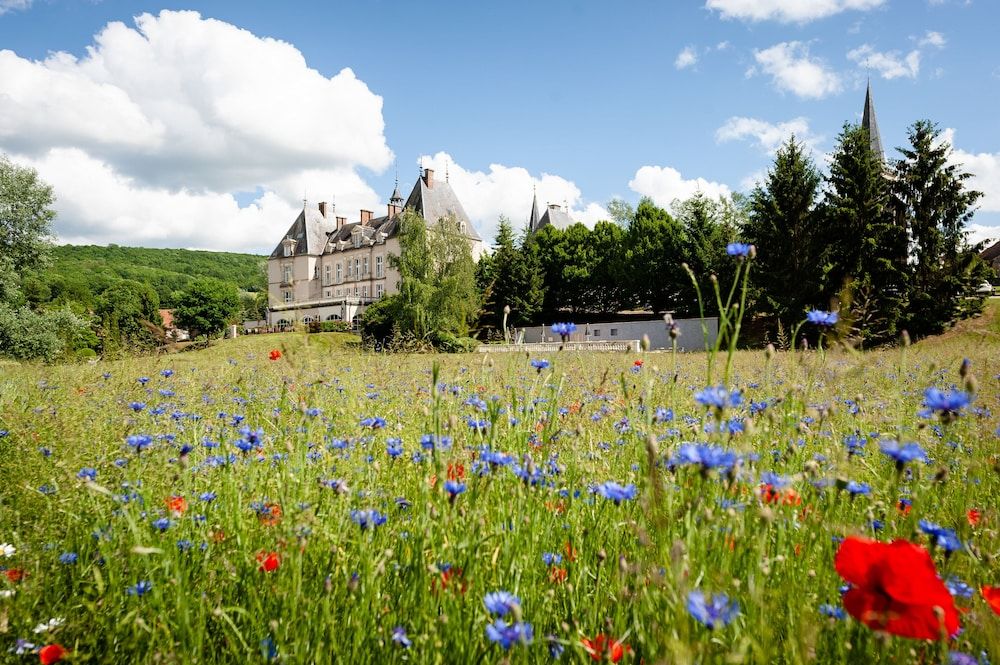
{"x":707,"y":231}
{"x":783,"y":224}
{"x":514,"y":280}
{"x":654,"y":244}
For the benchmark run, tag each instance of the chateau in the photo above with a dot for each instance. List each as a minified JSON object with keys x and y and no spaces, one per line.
{"x":326,"y":269}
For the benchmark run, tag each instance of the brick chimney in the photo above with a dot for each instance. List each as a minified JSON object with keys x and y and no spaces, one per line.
{"x":429,"y":178}
{"x":393,"y":209}
{"x":366,"y":216}
{"x":324,"y":208}
{"x":340,"y":222}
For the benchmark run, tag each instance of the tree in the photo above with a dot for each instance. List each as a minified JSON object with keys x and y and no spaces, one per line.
{"x":207,"y":306}
{"x":129,"y":314}
{"x":607,"y":291}
{"x":708,"y":229}
{"x":47,"y":336}
{"x":865,"y":246}
{"x":782,"y":223}
{"x":936,"y":206}
{"x":26,"y":216}
{"x":511,"y":277}
{"x":653,"y":249}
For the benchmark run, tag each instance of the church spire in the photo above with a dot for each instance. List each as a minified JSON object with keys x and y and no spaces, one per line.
{"x":396,"y":199}
{"x":534,"y":219}
{"x":869,"y":122}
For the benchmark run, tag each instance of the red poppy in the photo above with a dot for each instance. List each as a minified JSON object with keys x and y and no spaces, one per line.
{"x":558,"y":575}
{"x":570,"y":552}
{"x":271,"y":515}
{"x":269,"y":561}
{"x":602,"y":646}
{"x":904,"y":507}
{"x":51,"y":653}
{"x":177,"y":505}
{"x":15,"y":574}
{"x":456,"y":471}
{"x":637,"y":363}
{"x":991,"y":594}
{"x":789,"y":497}
{"x":896,"y":589}
{"x":449,"y":576}
{"x":275,"y":354}
{"x":974,"y":515}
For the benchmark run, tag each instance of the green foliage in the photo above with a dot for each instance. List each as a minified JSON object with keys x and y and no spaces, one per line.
{"x":330,"y":326}
{"x":654,"y":254}
{"x":47,"y":336}
{"x":709,"y":225}
{"x":510,"y":277}
{"x":206,"y":307}
{"x":129,"y":315}
{"x":26,"y":216}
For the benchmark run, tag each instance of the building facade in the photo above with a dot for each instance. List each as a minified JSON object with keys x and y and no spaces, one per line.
{"x":327,"y":269}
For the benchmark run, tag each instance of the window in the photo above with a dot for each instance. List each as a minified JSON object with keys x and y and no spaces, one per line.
{"x":364,"y":291}
{"x":288,"y":249}
{"x":286,"y":296}
{"x":355,"y":291}
{"x":357,"y":239}
{"x":350,"y":269}
{"x":365,"y":266}
{"x":614,"y":332}
{"x":326,"y":294}
{"x":357,"y":267}
{"x":378,"y":290}
{"x":597,"y":332}
{"x":286,"y":274}
{"x":316,"y":271}
{"x":338,"y":293}
{"x":327,"y":271}
{"x":340,"y":272}
{"x":378,"y":266}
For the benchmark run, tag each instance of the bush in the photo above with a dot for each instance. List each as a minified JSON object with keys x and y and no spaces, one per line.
{"x":48,"y":336}
{"x":448,"y":343}
{"x":329,"y":326}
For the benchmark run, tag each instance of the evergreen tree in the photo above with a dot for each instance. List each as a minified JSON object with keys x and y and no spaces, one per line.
{"x":654,"y":245}
{"x":783,"y":224}
{"x":708,"y":228}
{"x":607,"y":292}
{"x":511,"y":277}
{"x":936,"y":206}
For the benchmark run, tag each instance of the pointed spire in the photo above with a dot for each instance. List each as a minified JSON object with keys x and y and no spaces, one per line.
{"x":870,"y":122}
{"x":396,"y":199}
{"x":535,"y":217}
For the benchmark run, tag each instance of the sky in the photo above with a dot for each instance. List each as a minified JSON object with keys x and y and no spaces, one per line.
{"x":206,"y":125}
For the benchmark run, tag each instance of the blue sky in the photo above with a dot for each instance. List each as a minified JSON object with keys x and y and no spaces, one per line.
{"x":193,"y":127}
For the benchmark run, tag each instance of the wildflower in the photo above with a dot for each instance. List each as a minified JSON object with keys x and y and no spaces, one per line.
{"x":140,"y":588}
{"x":268,"y":514}
{"x":137,"y":406}
{"x":705,"y":456}
{"x":832,"y":611}
{"x":904,"y":506}
{"x":499,"y":632}
{"x":139,"y":441}
{"x":68,"y":558}
{"x":400,"y":638}
{"x":14,"y":575}
{"x":275,"y":354}
{"x":942,"y":537}
{"x":453,"y":488}
{"x":973,"y":515}
{"x":555,"y":647}
{"x":602,"y":646}
{"x":959,"y":658}
{"x":269,"y":561}
{"x":161,"y":524}
{"x":501,"y":603}
{"x":268,"y":649}
{"x":540,"y":364}
{"x":551,"y":558}
{"x":373,"y":422}
{"x":558,"y":575}
{"x":176,"y":505}
{"x":895,"y":588}
{"x":51,"y":624}
{"x":367,"y":518}
{"x":615,"y":492}
{"x":948,"y":405}
{"x":958,"y":588}
{"x":207,"y":497}
{"x":51,"y":653}
{"x":903,"y":453}
{"x":394,"y":447}
{"x":564,"y":330}
{"x":7,"y":550}
{"x":991,"y":594}
{"x":821,"y":318}
{"x":713,"y":612}
{"x":718,"y":398}
{"x":858,"y":489}
{"x":431,"y":442}
{"x":739,"y":250}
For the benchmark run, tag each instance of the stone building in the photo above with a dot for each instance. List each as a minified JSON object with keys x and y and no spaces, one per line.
{"x":328,"y":269}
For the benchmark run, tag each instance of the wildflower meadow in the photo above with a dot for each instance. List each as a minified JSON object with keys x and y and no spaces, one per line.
{"x":289,"y":499}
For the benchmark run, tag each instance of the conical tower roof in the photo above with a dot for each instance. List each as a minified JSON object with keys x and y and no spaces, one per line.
{"x":534,"y":219}
{"x":870,"y":122}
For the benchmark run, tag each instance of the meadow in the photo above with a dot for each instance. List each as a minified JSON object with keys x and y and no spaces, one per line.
{"x":289,"y":499}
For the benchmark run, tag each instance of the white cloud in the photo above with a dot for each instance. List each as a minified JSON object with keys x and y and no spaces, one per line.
{"x":767,"y":136}
{"x":13,"y":5}
{"x":175,"y":114}
{"x":983,"y":233}
{"x":665,"y":184}
{"x":507,"y":190}
{"x":985,"y":170}
{"x":793,"y":69}
{"x":787,"y":11}
{"x":890,"y":64}
{"x":935,"y":39}
{"x":686,"y":58}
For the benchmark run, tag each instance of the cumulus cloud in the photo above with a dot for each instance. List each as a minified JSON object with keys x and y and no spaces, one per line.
{"x":169,"y":117}
{"x":686,"y":58}
{"x":13,"y":5}
{"x":791,"y":68}
{"x":787,"y":11}
{"x":765,"y":135}
{"x":665,"y":184}
{"x":507,"y":190}
{"x":985,"y":170}
{"x":890,"y":64}
{"x":935,"y":39}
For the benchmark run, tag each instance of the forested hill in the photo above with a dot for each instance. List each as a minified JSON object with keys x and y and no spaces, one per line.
{"x":77,"y":270}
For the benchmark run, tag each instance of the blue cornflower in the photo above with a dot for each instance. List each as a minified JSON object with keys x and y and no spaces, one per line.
{"x":959,"y":658}
{"x":68,"y":558}
{"x":400,"y":638}
{"x":855,"y":444}
{"x":551,"y":559}
{"x":903,"y":453}
{"x":143,"y":380}
{"x":373,"y":422}
{"x":958,"y":588}
{"x":832,"y":611}
{"x":718,"y":397}
{"x":184,"y":545}
{"x":430,"y":442}
{"x":207,"y":497}
{"x":140,"y":588}
{"x":948,"y":405}
{"x":139,"y":441}
{"x":540,"y":364}
{"x":453,"y":488}
{"x":775,"y":480}
{"x":556,"y":648}
{"x":941,"y":537}
{"x":394,"y":447}
{"x":313,"y":411}
{"x":501,"y":603}
{"x":821,"y":318}
{"x":87,"y":473}
{"x":167,"y":373}
{"x":706,"y":456}
{"x":564,"y":330}
{"x":161,"y":524}
{"x":715,"y":612}
{"x":739,"y":249}
{"x":367,"y":518}
{"x":615,"y":492}
{"x":137,"y":406}
{"x":508,"y":635}
{"x":855,"y":488}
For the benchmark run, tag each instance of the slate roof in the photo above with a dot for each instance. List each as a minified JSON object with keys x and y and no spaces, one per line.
{"x":990,"y":253}
{"x":439,"y":201}
{"x":309,"y":230}
{"x":870,"y":122}
{"x":534,"y":219}
{"x":555,"y":216}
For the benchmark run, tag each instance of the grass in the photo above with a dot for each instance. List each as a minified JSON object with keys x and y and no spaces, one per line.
{"x":625,"y":568}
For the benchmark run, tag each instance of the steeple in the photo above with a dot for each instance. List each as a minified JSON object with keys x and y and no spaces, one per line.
{"x":533,"y":220}
{"x":396,"y":199}
{"x":870,"y":122}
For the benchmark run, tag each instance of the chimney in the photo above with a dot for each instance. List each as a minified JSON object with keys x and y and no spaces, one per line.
{"x":324,"y":208}
{"x":366,"y":216}
{"x":393,"y":210}
{"x":429,"y":178}
{"x":340,"y":222}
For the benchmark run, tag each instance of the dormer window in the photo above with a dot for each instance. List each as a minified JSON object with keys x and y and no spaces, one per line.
{"x":356,"y":238}
{"x":288,"y":245}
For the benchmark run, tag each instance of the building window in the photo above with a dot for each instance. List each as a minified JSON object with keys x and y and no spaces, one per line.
{"x":327,"y":271}
{"x":286,"y":274}
{"x":326,"y":294}
{"x":286,"y":296}
{"x":364,"y":291}
{"x":378,"y":266}
{"x":357,"y":240}
{"x":357,"y":267}
{"x":340,"y":272}
{"x":597,"y":332}
{"x":614,"y":332}
{"x":316,"y":271}
{"x":338,"y":293}
{"x":350,"y":269}
{"x":378,"y":290}
{"x":365,"y":266}
{"x":355,"y":291}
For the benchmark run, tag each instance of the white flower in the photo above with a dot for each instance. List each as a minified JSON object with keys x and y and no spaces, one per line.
{"x":8,"y":550}
{"x":6,"y":593}
{"x":51,"y":624}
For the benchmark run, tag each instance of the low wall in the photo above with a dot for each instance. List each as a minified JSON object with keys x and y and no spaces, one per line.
{"x":547,"y":347}
{"x":691,"y":336}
